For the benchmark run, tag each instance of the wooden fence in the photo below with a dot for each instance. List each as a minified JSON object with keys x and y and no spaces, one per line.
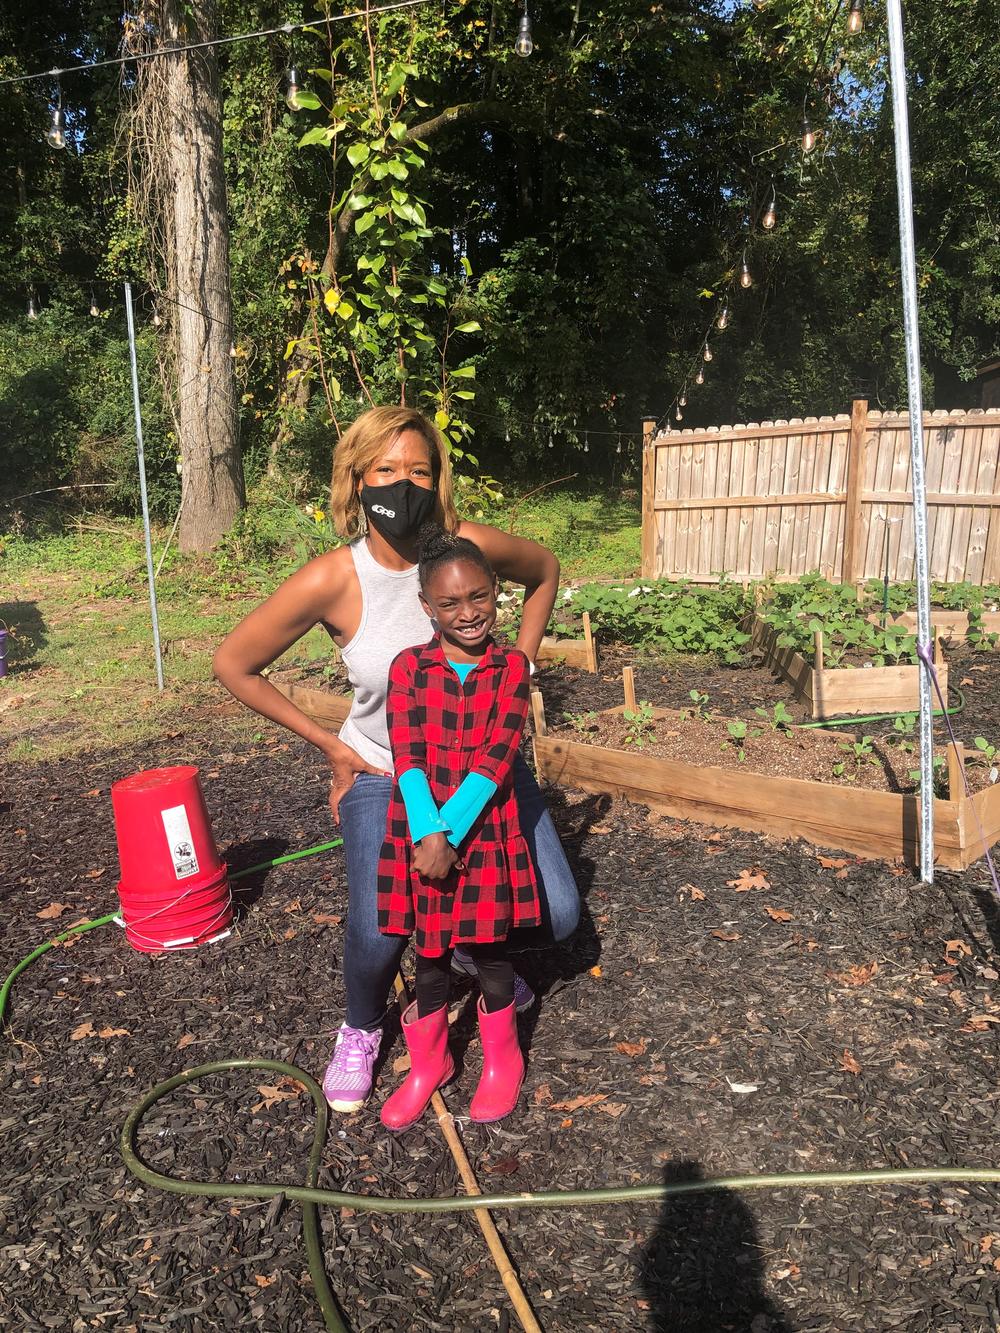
{"x":830,"y":493}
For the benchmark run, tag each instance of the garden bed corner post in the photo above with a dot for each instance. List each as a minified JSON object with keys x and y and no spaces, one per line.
{"x":648,"y":486}
{"x":852,"y":567}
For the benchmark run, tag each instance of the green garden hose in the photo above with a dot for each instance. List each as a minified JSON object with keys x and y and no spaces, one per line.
{"x":310,"y":1196}
{"x":886,"y":717}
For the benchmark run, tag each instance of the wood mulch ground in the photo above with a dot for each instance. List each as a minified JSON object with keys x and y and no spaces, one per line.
{"x":728,"y":1005}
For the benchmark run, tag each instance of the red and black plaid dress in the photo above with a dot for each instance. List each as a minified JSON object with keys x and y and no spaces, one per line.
{"x":449,"y":729}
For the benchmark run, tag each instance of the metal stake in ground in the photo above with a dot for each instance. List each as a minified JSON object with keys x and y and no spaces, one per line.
{"x":908,"y":274}
{"x":140,"y":453}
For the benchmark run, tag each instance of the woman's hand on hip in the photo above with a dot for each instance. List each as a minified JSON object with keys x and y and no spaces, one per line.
{"x":346,"y":764}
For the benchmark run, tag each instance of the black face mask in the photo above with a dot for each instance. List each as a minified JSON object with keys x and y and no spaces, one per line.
{"x":398,"y":510}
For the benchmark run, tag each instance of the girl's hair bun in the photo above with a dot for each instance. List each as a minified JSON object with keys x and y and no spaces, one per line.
{"x":436,"y":547}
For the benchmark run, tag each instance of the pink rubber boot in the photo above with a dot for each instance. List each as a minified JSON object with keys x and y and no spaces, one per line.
{"x":503,"y":1065}
{"x":431,"y":1065}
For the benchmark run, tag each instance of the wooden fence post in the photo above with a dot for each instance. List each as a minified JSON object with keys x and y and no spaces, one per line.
{"x":648,"y":484}
{"x":853,"y":558}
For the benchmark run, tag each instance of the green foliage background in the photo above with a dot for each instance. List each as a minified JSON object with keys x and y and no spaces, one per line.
{"x":598,"y":193}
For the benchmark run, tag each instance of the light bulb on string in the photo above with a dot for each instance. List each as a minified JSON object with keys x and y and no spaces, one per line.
{"x":95,"y":309}
{"x":808,"y":136}
{"x":552,"y":444}
{"x":700,"y":377}
{"x":723,"y":319}
{"x":55,"y":135}
{"x":586,"y":443}
{"x":746,"y":277}
{"x":293,"y":90}
{"x":682,"y":401}
{"x":678,"y":415}
{"x":523,"y":45}
{"x":32,"y":308}
{"x":618,"y":446}
{"x":771,"y":212}
{"x":706,"y":353}
{"x":232,"y":350}
{"x":855,"y":19}
{"x":157,"y":317}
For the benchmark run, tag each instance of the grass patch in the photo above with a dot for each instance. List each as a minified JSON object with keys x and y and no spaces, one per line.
{"x":81,"y":662}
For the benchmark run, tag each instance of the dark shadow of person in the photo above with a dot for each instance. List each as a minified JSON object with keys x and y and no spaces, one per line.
{"x":701,"y":1272}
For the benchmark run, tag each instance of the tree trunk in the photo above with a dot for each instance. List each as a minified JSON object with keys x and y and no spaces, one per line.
{"x":207,"y":410}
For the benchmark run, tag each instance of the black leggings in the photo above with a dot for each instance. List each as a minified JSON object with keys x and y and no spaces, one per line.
{"x":496,"y":978}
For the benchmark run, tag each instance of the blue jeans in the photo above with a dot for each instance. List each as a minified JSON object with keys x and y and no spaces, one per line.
{"x":371,"y":959}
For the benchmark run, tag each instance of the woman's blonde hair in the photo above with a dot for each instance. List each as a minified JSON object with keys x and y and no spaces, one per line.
{"x":363,"y":443}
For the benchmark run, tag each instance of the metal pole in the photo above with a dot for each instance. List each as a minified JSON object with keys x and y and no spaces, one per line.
{"x":142,"y":486}
{"x":907,"y":252}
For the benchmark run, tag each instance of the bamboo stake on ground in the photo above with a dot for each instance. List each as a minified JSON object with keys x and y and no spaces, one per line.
{"x":588,"y":638}
{"x":508,"y":1274}
{"x":628,"y":682}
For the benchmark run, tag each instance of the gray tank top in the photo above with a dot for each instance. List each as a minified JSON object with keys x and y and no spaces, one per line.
{"x":391,"y":619}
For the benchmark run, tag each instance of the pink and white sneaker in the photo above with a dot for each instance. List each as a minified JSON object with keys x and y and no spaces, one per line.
{"x":347,"y":1082}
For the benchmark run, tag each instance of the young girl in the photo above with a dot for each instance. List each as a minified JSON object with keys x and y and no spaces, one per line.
{"x":455,"y":868}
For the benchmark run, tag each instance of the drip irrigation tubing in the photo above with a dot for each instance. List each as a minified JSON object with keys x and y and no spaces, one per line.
{"x":311,"y":1196}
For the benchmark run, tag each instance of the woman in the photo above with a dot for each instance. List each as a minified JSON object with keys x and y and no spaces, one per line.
{"x":391,"y":474}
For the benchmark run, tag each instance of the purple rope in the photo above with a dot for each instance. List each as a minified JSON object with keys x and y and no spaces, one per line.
{"x":924,"y":654}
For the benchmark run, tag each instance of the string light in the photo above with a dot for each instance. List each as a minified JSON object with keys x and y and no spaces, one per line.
{"x":293,"y":91}
{"x":682,"y":401}
{"x":55,"y":135}
{"x":700,"y":377}
{"x":855,"y":19}
{"x":523,"y":45}
{"x":746,"y":277}
{"x":586,"y":445}
{"x":551,"y":441}
{"x":95,"y":309}
{"x":808,"y":136}
{"x":157,"y":317}
{"x":232,"y":349}
{"x":32,"y":308}
{"x":706,"y":353}
{"x":771,"y":214}
{"x":678,"y":415}
{"x":723,"y":319}
{"x":618,"y":446}
{"x":507,"y":435}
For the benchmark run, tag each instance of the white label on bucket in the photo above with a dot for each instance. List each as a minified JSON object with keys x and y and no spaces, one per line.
{"x":180,"y":842}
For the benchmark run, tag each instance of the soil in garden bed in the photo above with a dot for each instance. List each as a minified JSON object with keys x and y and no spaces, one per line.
{"x":811,"y":755}
{"x":728,"y":1005}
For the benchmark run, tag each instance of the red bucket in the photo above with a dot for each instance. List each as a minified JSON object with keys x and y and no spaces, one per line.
{"x":163,"y":830}
{"x":174,"y":890}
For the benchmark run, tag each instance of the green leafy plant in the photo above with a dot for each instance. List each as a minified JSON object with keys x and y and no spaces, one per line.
{"x":988,"y":751}
{"x":698,"y":702}
{"x":666,"y":616}
{"x":939,"y":776}
{"x":778,"y":718}
{"x":639,"y":724}
{"x":582,"y":722}
{"x":859,"y":753}
{"x":738,"y":732}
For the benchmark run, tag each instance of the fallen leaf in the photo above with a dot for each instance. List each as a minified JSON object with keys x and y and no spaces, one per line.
{"x":53,"y":911}
{"x":94,"y":791}
{"x":289,"y":934}
{"x":749,"y":879}
{"x":986,"y":1243}
{"x":943,"y":978}
{"x":504,"y":1166}
{"x":848,"y":1063}
{"x":697,"y":896}
{"x":185,"y":1041}
{"x":856,"y":976}
{"x":294,"y":906}
{"x":742,"y":1088}
{"x":996,"y":1265}
{"x":833,"y":862}
{"x":84,"y":1030}
{"x":958,"y":947}
{"x":789,"y":1270}
{"x":543,"y":1094}
{"x":727,"y":935}
{"x":966,"y":680}
{"x":632,"y":1048}
{"x":325,"y":919}
{"x":105,"y":1033}
{"x":596,"y":971}
{"x":259,"y":1278}
{"x":613,"y":1108}
{"x":778,"y":914}
{"x":567,"y":1123}
{"x":422,"y":1272}
{"x":577,"y":1103}
{"x":95,"y":874}
{"x":285,"y":1090}
{"x":812,"y":945}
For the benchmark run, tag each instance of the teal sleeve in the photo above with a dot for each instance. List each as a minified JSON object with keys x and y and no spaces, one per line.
{"x":462,"y":809}
{"x":421,"y":812}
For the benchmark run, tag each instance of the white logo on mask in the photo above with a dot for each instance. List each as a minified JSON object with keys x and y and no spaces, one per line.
{"x":388,"y":513}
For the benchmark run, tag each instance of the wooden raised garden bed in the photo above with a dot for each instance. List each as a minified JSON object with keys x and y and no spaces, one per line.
{"x":953,"y":625}
{"x":322,"y":706}
{"x":580,"y":653}
{"x":840,"y":691}
{"x":880,"y":824}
